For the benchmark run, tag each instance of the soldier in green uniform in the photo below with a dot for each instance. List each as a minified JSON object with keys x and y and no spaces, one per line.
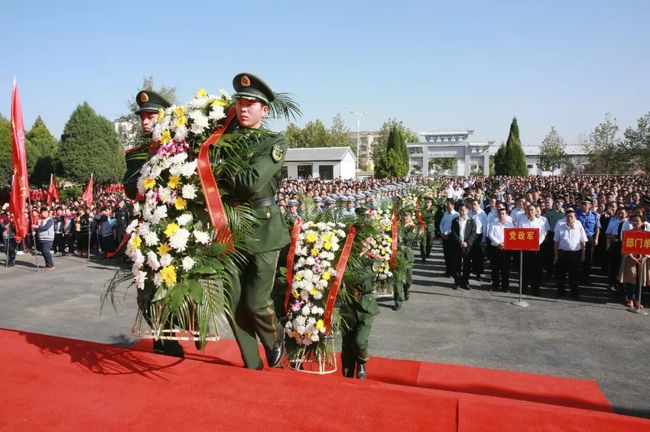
{"x":149,"y":103}
{"x":358,"y":312}
{"x":428,"y":214}
{"x":254,"y":310}
{"x":408,"y":236}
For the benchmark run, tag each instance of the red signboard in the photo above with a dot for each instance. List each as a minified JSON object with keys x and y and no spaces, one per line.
{"x":521,"y":239}
{"x":636,"y":242}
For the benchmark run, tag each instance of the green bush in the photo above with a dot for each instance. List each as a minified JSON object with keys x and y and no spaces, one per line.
{"x":71,"y":192}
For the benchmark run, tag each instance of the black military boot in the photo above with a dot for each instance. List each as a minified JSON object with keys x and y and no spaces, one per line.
{"x":407,"y":288}
{"x":361,"y":371}
{"x":347,"y":366}
{"x":274,"y":355}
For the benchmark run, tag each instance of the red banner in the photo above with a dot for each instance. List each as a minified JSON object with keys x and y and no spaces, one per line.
{"x":52,"y":191}
{"x":20,"y":186}
{"x":213,"y":201}
{"x":418,"y":215}
{"x":636,"y":242}
{"x":526,"y":239}
{"x":88,"y":193}
{"x":295,"y":232}
{"x":393,"y":253}
{"x":340,"y":270}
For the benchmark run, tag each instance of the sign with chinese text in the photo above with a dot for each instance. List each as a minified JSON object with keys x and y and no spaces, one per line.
{"x":636,"y":242}
{"x":521,"y":239}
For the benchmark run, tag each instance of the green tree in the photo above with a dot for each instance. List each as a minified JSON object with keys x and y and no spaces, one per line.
{"x":89,"y":144}
{"x":379,"y":149}
{"x":340,"y":134}
{"x":499,"y":161}
{"x":395,"y":161}
{"x":443,"y":165}
{"x":606,"y":152}
{"x":6,"y":153}
{"x":551,"y":153}
{"x":293,"y":134}
{"x":514,"y":158}
{"x":637,"y":143}
{"x":129,"y":131}
{"x":45,"y":148}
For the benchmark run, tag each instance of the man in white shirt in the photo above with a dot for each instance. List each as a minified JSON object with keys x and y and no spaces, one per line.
{"x":570,"y":242}
{"x":532,"y":265}
{"x":519,"y":212}
{"x":500,"y":258}
{"x":480,"y":220}
{"x":445,"y":231}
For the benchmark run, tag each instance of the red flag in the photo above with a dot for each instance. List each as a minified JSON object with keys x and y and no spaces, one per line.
{"x":52,"y":191}
{"x":20,"y":185}
{"x":88,"y":193}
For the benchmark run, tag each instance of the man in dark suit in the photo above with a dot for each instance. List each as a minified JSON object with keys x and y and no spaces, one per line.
{"x":463,"y":235}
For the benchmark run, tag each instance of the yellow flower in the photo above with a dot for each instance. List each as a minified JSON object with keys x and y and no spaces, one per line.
{"x":314,"y":251}
{"x":220,"y":102}
{"x":171,"y":229}
{"x":161,"y":114}
{"x":295,"y":293}
{"x":180,"y":203}
{"x":168,"y":275}
{"x":320,"y":324}
{"x":165,"y":136}
{"x":299,"y":277}
{"x":163,"y":249}
{"x":327,"y":245}
{"x":173,"y":181}
{"x":181,"y":120}
{"x":311,"y":237}
{"x":136,"y":241}
{"x":327,"y":276}
{"x":149,"y":183}
{"x":327,"y":237}
{"x":201,"y":93}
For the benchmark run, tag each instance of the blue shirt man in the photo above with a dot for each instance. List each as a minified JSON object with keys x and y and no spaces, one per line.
{"x":589,"y":220}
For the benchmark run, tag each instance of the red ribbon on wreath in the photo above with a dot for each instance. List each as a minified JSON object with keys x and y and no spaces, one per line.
{"x":295,"y":231}
{"x":393,"y":253}
{"x":340,"y":270}
{"x":213,"y":202}
{"x":418,"y":215}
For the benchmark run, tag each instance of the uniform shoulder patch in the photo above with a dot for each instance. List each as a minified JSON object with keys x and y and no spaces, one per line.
{"x":277,"y":152}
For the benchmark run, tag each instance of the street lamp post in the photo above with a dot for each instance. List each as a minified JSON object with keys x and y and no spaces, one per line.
{"x":359,"y":115}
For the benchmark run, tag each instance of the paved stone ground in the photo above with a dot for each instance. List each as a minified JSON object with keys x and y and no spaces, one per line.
{"x":595,"y":338}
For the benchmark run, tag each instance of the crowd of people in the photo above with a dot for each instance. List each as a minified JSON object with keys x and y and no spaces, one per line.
{"x":69,"y":227}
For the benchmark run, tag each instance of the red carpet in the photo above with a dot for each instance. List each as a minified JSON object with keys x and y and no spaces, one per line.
{"x":51,"y":383}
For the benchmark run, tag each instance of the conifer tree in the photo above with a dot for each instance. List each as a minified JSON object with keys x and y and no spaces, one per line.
{"x":514,"y":158}
{"x":89,"y":144}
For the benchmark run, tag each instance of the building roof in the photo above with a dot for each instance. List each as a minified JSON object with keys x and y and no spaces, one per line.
{"x":317,"y":154}
{"x":570,"y":150}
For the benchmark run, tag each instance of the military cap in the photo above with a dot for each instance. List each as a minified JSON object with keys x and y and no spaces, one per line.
{"x":329,"y":200}
{"x":292,"y":203}
{"x":248,"y":86}
{"x":361,"y":196}
{"x":367,"y":193}
{"x":148,"y":100}
{"x":569,"y":210}
{"x":316,"y":199}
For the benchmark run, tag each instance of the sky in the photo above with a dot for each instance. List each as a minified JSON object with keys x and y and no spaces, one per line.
{"x":432,"y":65}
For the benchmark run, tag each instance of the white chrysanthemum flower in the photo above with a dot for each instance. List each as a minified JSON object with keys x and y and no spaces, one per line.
{"x":188,"y":263}
{"x":202,"y":237}
{"x":132,"y":225}
{"x":318,"y":295}
{"x":151,"y":239}
{"x":157,"y":281}
{"x":335,"y":247}
{"x":140,"y":278}
{"x":159,"y":213}
{"x":137,"y":257}
{"x":135,"y":269}
{"x":307,"y":275}
{"x":143,"y":229}
{"x":200,"y":122}
{"x":165,"y":260}
{"x":152,"y":260}
{"x":188,"y":169}
{"x":175,"y":170}
{"x":157,"y":132}
{"x":188,"y":191}
{"x":178,"y":158}
{"x":216,"y":113}
{"x":305,"y":310}
{"x":164,"y":194}
{"x":310,"y":261}
{"x":181,"y":134}
{"x":179,"y":239}
{"x":224,"y":94}
{"x":136,"y":208}
{"x":184,"y":219}
{"x":140,"y":185}
{"x":156,"y":171}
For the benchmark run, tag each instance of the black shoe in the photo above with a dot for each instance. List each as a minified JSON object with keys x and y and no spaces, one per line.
{"x":361,"y":371}
{"x":455,"y":287}
{"x":347,"y":366}
{"x":407,"y":295}
{"x":397,"y":306}
{"x":466,"y":286}
{"x":560,"y":294}
{"x":274,"y":355}
{"x":575,"y":296}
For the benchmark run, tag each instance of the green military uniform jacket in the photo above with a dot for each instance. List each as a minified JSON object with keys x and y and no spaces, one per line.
{"x":258,"y":185}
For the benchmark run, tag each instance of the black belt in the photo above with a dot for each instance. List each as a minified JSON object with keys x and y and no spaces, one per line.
{"x":258,"y":203}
